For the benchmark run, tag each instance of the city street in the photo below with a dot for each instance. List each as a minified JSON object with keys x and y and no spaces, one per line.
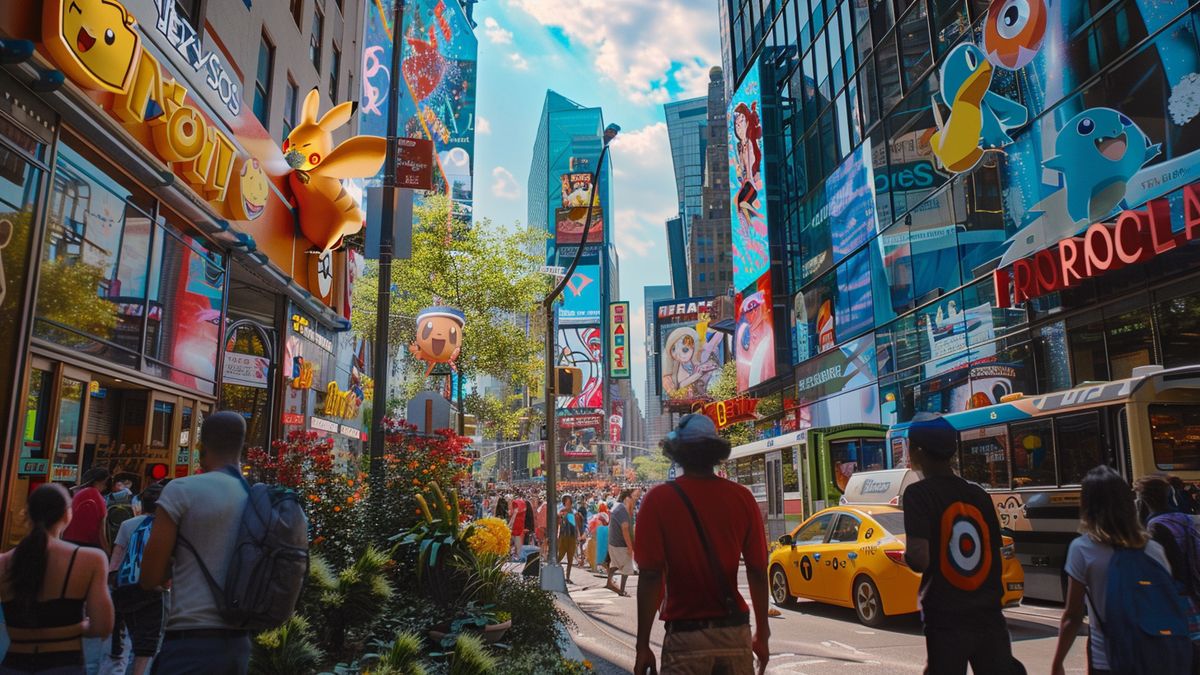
{"x":809,"y":638}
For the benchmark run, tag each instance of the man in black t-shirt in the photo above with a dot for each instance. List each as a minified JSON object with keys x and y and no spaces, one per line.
{"x":954,"y":543}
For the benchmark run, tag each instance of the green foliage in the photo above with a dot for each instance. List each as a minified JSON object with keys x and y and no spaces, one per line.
{"x":652,"y":467}
{"x":536,"y":616}
{"x":443,"y":554}
{"x":402,"y":657}
{"x":470,"y":657}
{"x":350,"y":602}
{"x":286,"y":650}
{"x":497,"y":415}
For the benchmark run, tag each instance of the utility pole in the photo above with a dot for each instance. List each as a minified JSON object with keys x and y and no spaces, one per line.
{"x":552,"y":574}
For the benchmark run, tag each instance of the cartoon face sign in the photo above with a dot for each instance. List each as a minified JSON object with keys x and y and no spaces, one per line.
{"x":95,"y":42}
{"x":439,"y":336}
{"x":248,"y":192}
{"x":1014,"y":31}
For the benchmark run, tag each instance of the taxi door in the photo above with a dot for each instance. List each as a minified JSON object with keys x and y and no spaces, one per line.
{"x":806,"y":552}
{"x":841,"y":560}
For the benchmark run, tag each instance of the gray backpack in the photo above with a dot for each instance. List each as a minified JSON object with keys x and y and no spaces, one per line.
{"x":269,"y":561}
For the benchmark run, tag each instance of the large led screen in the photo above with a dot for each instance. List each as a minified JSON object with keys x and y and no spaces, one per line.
{"x":851,"y":193}
{"x":581,"y":296}
{"x":690,"y":352}
{"x":570,"y":221}
{"x":438,"y":99}
{"x":754,"y":334}
{"x":581,"y":347}
{"x":747,"y":185}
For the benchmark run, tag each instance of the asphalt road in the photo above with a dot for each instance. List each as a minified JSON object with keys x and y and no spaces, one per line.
{"x":810,"y":638}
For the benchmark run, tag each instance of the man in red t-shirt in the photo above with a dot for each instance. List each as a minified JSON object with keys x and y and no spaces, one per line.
{"x":707,"y":621}
{"x":88,"y":510}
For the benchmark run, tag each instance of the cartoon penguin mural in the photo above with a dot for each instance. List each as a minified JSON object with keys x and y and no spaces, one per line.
{"x":1097,"y":152}
{"x":979,"y":119}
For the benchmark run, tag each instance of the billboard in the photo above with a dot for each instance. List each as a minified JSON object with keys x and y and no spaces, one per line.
{"x":437,"y":101}
{"x":581,"y":296}
{"x":747,"y":187}
{"x":851,"y":193}
{"x":580,"y":347}
{"x":754,"y":334}
{"x":618,"y":340}
{"x":579,"y":435}
{"x":690,"y":353}
{"x":576,"y":186}
{"x":569,"y":224}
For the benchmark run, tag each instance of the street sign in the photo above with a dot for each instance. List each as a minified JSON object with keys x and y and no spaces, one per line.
{"x":618,"y":341}
{"x":554,"y":270}
{"x":414,"y":163}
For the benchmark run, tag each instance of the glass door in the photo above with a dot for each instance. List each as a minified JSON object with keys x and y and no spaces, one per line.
{"x":33,"y":459}
{"x":183,"y":453}
{"x":776,"y":522}
{"x":73,"y":393}
{"x":161,"y":445}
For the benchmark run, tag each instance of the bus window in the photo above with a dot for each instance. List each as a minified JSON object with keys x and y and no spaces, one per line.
{"x":1033,"y":454}
{"x":860,"y":454}
{"x":791,"y":480}
{"x":984,"y":456}
{"x":1080,"y":445}
{"x":1175,"y":432}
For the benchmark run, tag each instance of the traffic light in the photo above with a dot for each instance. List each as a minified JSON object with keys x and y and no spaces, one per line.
{"x":568,"y":381}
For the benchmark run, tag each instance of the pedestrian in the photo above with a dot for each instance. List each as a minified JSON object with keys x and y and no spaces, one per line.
{"x":53,"y":593}
{"x":581,"y":532}
{"x":138,"y":610}
{"x":540,"y":524}
{"x":1176,"y":533}
{"x":530,"y":523}
{"x":691,"y":532}
{"x":204,"y":510}
{"x":620,"y":541}
{"x":1113,"y":541}
{"x":598,"y":529}
{"x":88,"y":509}
{"x":502,"y":508}
{"x":516,"y":525}
{"x":954,"y":544}
{"x":568,"y":533}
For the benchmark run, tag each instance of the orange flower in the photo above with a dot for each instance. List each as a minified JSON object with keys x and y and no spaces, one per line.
{"x":349,"y":500}
{"x":350,"y":482}
{"x":337,"y":509}
{"x":416,"y":481}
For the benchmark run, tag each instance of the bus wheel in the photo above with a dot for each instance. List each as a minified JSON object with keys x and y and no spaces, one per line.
{"x":779,"y":588}
{"x":867,"y":602}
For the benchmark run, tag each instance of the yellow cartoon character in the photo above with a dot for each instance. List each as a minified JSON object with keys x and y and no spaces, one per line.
{"x":94,"y":42}
{"x":248,"y":193}
{"x":327,"y":211}
{"x":439,"y":336}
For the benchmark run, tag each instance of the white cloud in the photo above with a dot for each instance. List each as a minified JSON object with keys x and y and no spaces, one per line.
{"x":483,"y":125}
{"x":497,"y":33}
{"x":518,"y":61}
{"x":644,"y":186}
{"x":504,"y":184}
{"x":631,"y":232}
{"x":638,"y":44}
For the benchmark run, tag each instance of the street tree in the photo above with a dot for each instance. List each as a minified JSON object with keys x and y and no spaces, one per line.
{"x":725,"y":388}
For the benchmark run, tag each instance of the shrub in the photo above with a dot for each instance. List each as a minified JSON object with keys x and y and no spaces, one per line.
{"x":537,"y":617}
{"x":402,"y":657}
{"x":470,"y":657}
{"x":285,"y":650}
{"x":349,"y":603}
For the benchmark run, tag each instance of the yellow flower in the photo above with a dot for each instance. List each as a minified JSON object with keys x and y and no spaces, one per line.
{"x":491,"y":535}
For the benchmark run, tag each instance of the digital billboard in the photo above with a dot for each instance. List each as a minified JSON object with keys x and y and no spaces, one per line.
{"x":619,"y":344}
{"x":581,"y":296}
{"x":581,"y":347}
{"x":690,"y":352}
{"x":578,"y":436}
{"x":437,"y":101}
{"x":754,"y":334}
{"x":569,"y":223}
{"x":747,"y":185}
{"x":576,"y":186}
{"x":851,"y":193}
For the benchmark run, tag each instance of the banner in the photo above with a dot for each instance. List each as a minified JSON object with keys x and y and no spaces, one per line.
{"x":747,"y":184}
{"x":618,"y":340}
{"x":581,"y":297}
{"x":579,"y":347}
{"x":690,"y":353}
{"x":754,"y":334}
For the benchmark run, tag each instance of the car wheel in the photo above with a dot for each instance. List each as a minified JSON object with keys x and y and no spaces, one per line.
{"x":780,"y":593}
{"x":867,"y":602}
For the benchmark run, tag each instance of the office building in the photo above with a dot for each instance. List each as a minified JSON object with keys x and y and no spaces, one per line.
{"x":658,"y":423}
{"x":709,"y":268}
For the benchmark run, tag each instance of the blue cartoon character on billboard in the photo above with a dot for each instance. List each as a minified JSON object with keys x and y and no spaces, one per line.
{"x":979,"y":119}
{"x":1097,"y":152}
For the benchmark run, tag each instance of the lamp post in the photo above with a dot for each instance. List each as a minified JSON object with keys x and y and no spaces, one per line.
{"x":552,"y":574}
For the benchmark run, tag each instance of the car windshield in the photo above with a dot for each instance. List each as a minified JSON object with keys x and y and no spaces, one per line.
{"x":892,"y":522}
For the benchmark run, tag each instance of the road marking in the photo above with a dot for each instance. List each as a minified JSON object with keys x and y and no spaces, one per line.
{"x":865,"y":632}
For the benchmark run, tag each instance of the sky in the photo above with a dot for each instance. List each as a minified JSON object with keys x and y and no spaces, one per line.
{"x":628,"y":57}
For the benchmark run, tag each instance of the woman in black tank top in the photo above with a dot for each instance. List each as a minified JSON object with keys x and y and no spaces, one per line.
{"x":46,"y":617}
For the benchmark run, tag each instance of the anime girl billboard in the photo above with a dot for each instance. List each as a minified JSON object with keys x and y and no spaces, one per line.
{"x":748,"y":191}
{"x":690,"y":354}
{"x":754,"y":335}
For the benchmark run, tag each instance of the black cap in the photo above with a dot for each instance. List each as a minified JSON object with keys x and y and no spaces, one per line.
{"x":933,"y":435}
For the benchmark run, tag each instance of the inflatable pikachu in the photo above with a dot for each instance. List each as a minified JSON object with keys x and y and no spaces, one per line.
{"x":327,"y":212}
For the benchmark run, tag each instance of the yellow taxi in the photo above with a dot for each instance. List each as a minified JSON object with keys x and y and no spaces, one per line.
{"x":852,"y":555}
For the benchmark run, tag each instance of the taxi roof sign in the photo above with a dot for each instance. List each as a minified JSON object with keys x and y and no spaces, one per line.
{"x":878,"y":487}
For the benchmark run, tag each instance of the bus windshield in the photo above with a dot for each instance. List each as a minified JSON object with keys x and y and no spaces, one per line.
{"x":1175,"y":432}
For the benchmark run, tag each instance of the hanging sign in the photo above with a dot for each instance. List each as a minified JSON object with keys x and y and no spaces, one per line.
{"x":618,"y":340}
{"x":732,"y":411}
{"x":414,"y":163}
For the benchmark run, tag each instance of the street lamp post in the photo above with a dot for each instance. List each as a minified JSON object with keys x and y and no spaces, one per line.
{"x":552,"y":574}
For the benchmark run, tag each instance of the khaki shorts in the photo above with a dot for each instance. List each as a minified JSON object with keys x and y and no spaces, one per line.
{"x":711,"y":650}
{"x":621,"y":559}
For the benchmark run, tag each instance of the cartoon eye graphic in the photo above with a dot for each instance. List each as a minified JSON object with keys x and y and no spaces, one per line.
{"x":453,"y":336}
{"x":1086,"y":126}
{"x":1013,"y":32}
{"x":314,"y":158}
{"x":972,"y":62}
{"x":109,"y":37}
{"x":427,"y":331}
{"x":1125,"y":120}
{"x":1013,"y":17}
{"x":286,"y":143}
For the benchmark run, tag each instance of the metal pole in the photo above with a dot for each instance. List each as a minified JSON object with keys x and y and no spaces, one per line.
{"x":554,"y":582}
{"x":383,"y":306}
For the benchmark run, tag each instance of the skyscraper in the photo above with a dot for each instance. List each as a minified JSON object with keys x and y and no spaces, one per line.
{"x":658,"y":423}
{"x":709,"y":264}
{"x":686,"y":130}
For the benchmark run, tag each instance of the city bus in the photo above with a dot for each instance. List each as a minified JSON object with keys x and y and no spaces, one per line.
{"x":799,"y":473}
{"x":1030,"y":453}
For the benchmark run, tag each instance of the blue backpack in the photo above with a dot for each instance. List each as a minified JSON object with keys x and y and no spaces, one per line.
{"x":1145,"y":618}
{"x":130,"y":571}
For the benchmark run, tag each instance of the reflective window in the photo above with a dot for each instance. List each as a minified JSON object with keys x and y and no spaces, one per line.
{"x":814,"y":532}
{"x":791,"y":477}
{"x":983,"y":456}
{"x":1033,"y":454}
{"x":1175,"y":433}
{"x":1081,"y":446}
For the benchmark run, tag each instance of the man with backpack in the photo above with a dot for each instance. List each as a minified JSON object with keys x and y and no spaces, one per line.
{"x":240,"y":557}
{"x":953,"y":542}
{"x":139,"y":611}
{"x":1176,"y":533}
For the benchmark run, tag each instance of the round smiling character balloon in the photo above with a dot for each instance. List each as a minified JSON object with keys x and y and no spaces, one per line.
{"x":439,"y":336}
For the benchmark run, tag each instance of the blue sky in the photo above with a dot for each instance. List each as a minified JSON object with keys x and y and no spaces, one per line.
{"x":626,"y":56}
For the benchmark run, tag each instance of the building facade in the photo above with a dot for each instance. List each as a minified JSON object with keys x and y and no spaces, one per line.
{"x":658,"y":423}
{"x":687,"y":123}
{"x":920,"y":265}
{"x":709,"y":269}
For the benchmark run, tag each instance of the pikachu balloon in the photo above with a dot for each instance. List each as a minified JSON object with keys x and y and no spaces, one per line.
{"x":327,"y":211}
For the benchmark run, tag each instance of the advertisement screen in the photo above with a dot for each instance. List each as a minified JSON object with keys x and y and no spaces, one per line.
{"x":576,"y":186}
{"x":754,"y":334}
{"x":851,"y":194}
{"x":569,"y":224}
{"x":580,"y":347}
{"x":578,"y":436}
{"x":690,"y":353}
{"x":747,"y":185}
{"x":437,"y":100}
{"x":850,"y":366}
{"x":581,"y":297}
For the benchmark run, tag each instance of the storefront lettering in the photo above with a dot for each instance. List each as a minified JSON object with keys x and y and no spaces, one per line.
{"x":1132,"y":237}
{"x":323,"y":424}
{"x":683,"y":310}
{"x":304,"y":380}
{"x":341,"y":404}
{"x":732,"y":411}
{"x":187,"y":43}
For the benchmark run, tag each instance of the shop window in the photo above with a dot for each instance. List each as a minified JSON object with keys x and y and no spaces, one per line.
{"x":1175,"y":434}
{"x":916,"y":54}
{"x":19,"y":186}
{"x":1033,"y":454}
{"x":1179,"y":330}
{"x":66,"y":434}
{"x":983,"y":457}
{"x":1085,"y":338}
{"x":791,"y":477}
{"x":37,"y":416}
{"x":160,"y":426}
{"x":1128,"y":338}
{"x":1081,"y":446}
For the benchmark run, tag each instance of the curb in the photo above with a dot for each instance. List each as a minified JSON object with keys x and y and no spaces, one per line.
{"x":566,"y":643}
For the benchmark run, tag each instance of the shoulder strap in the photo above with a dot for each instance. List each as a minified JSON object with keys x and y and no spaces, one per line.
{"x":731,"y":605}
{"x":217,"y":591}
{"x":67,"y":576}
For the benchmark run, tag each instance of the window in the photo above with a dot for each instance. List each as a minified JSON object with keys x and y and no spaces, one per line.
{"x":791,"y":478}
{"x":335,"y":67}
{"x":850,"y":457}
{"x":1033,"y":454}
{"x":984,"y":456}
{"x":1081,"y":446}
{"x":1175,"y":434}
{"x":846,"y":531}
{"x":297,"y":11}
{"x":262,"y":79}
{"x":314,"y":40}
{"x":189,"y":11}
{"x":290,"y":97}
{"x":814,"y":532}
{"x":892,"y":522}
